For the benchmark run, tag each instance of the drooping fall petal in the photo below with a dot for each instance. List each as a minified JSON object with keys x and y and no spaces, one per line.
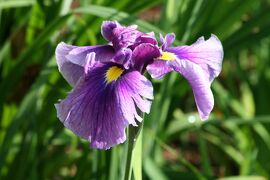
{"x":99,"y":110}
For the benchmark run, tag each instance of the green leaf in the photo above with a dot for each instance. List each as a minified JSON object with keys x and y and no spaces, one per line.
{"x":137,"y":160}
{"x":113,"y":14}
{"x":11,"y":78}
{"x":153,"y":171}
{"x":15,"y":3}
{"x":243,"y":178}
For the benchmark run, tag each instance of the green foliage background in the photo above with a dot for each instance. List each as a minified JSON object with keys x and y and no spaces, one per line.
{"x":233,"y":144}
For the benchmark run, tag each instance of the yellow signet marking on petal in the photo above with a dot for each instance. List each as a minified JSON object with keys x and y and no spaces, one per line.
{"x":113,"y":73}
{"x":167,"y":56}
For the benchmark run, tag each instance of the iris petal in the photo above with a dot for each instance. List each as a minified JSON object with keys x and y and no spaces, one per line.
{"x":158,"y":69}
{"x":123,"y":57}
{"x":144,"y":54}
{"x":107,"y":28}
{"x":104,"y":53}
{"x":100,"y":112}
{"x":70,"y":71}
{"x":90,"y":61}
{"x":199,"y":63}
{"x":125,"y":36}
{"x":167,"y":41}
{"x":134,"y":87}
{"x":208,"y":54}
{"x":200,"y":85}
{"x":71,"y":60}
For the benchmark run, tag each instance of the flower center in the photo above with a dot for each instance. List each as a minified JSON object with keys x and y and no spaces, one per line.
{"x":167,"y":56}
{"x":113,"y":73}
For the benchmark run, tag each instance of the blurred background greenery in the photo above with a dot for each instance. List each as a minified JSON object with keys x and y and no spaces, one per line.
{"x":233,"y":144}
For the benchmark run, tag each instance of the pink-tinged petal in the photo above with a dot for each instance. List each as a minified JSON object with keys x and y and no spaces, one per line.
{"x":134,"y":89}
{"x":167,"y":41}
{"x":200,"y":84}
{"x":207,"y":54}
{"x":158,"y":69}
{"x":144,"y":54}
{"x":71,"y":60}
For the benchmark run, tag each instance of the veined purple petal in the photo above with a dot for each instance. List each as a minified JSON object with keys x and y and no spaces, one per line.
{"x":144,"y":54}
{"x":134,"y":87}
{"x":99,"y":111}
{"x":207,"y":54}
{"x":92,"y":111}
{"x":71,"y":60}
{"x":200,"y":84}
{"x":158,"y":69}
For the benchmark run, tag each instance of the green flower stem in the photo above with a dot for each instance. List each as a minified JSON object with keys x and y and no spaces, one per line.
{"x":133,"y":133}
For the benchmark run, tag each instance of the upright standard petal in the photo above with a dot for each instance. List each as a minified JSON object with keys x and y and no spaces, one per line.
{"x":71,"y":60}
{"x":145,"y":38}
{"x":120,"y":36}
{"x":100,"y":107}
{"x":167,"y":41}
{"x":200,"y":85}
{"x":123,"y":37}
{"x":208,"y":54}
{"x":144,"y":54}
{"x":107,"y":28}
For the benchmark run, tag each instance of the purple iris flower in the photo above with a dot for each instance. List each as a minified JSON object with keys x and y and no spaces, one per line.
{"x":108,"y":85}
{"x":199,"y":63}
